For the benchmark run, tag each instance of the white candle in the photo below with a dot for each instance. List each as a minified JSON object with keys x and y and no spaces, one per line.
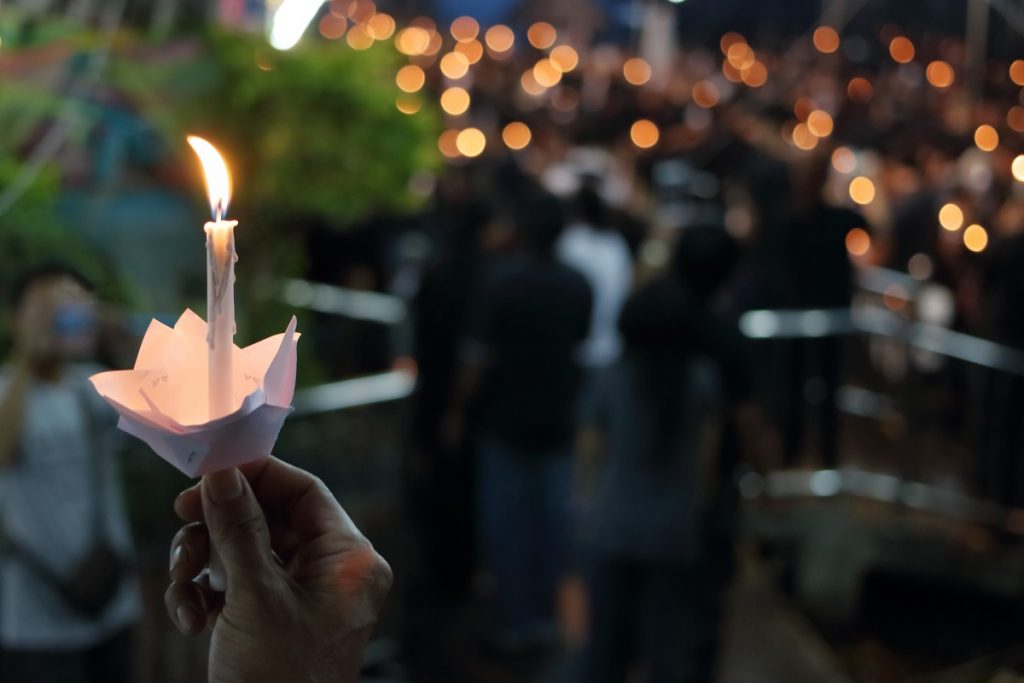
{"x":220,"y":280}
{"x":220,"y":307}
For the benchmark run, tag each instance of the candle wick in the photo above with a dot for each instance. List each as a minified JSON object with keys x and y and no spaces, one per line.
{"x":219,"y":214}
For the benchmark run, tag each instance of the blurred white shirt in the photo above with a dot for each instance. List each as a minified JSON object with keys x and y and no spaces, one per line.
{"x":603,"y":257}
{"x":47,"y":504}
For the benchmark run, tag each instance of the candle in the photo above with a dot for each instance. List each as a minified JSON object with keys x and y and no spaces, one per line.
{"x":220,"y":279}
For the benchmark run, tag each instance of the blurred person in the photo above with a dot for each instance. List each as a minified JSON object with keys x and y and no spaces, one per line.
{"x":441,"y":310}
{"x":67,"y":599}
{"x":657,"y":432}
{"x":591,"y":246}
{"x":304,"y":586}
{"x":816,"y":269}
{"x":519,"y":375}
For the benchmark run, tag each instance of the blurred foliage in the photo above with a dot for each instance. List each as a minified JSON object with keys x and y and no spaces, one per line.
{"x":312,"y":132}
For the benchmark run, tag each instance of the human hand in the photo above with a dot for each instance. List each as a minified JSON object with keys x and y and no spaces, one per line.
{"x":304,"y":586}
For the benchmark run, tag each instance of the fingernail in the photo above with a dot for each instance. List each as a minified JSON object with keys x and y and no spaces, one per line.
{"x":186,"y":618}
{"x":224,"y":486}
{"x":178,"y":556}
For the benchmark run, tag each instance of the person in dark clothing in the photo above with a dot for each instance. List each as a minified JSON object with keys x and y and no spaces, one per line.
{"x":657,"y":422}
{"x":519,"y":371}
{"x":818,"y":274}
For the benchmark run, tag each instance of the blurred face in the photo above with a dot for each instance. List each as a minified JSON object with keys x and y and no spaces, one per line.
{"x":56,"y":321}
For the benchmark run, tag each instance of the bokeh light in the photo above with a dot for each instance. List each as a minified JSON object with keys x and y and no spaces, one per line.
{"x":410,"y":78}
{"x":705,"y":94}
{"x":516,"y":135}
{"x":860,"y":90}
{"x":951,"y":217}
{"x":901,"y":50}
{"x":408,"y":104}
{"x":826,"y":39}
{"x":940,"y":74}
{"x":412,"y":41}
{"x":446,"y":143}
{"x":636,"y":71}
{"x":465,"y":29}
{"x":986,"y":138}
{"x":381,"y":26}
{"x":844,"y":160}
{"x":541,"y":35}
{"x":820,"y":123}
{"x":471,"y":142}
{"x":1017,"y":72}
{"x":1015,"y":119}
{"x":803,"y":138}
{"x":454,"y":65}
{"x":862,"y":190}
{"x":729,"y":39}
{"x":858,"y":242}
{"x":975,"y":238}
{"x":359,"y":38}
{"x":332,"y":26}
{"x":530,"y":84}
{"x":1017,"y":167}
{"x":455,"y":101}
{"x":741,"y":55}
{"x":546,"y":73}
{"x":500,"y":38}
{"x":565,"y":58}
{"x":755,"y":75}
{"x":644,"y":133}
{"x":472,"y":50}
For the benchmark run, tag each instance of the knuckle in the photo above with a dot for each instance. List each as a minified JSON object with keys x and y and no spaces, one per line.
{"x":376,"y":577}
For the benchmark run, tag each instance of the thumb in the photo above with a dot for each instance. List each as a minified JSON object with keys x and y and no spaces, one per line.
{"x":238,"y":529}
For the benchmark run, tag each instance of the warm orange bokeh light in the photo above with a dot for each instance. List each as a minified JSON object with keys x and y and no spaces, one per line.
{"x":472,"y":50}
{"x":951,"y":217}
{"x":454,"y":65}
{"x":901,"y":50}
{"x":860,"y":90}
{"x":741,"y":55}
{"x":465,"y":29}
{"x":1017,"y":72}
{"x":940,"y":74}
{"x":1015,"y":119}
{"x":500,"y":38}
{"x":986,"y":138}
{"x":826,"y":39}
{"x":471,"y":142}
{"x":755,"y":76}
{"x":412,"y":41}
{"x":862,"y":190}
{"x":408,"y":104}
{"x":546,"y":73}
{"x":858,"y":242}
{"x":542,"y":35}
{"x":565,"y":58}
{"x":636,"y":71}
{"x":729,"y":39}
{"x":644,"y":134}
{"x":455,"y":101}
{"x":332,"y":26}
{"x":381,"y":26}
{"x":446,"y":143}
{"x":803,"y":137}
{"x":410,"y":78}
{"x":705,"y":94}
{"x":516,"y":135}
{"x":820,"y":123}
{"x":975,"y":238}
{"x":359,"y":38}
{"x":530,"y":84}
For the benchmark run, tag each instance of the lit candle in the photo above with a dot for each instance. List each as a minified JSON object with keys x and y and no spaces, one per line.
{"x":220,"y":279}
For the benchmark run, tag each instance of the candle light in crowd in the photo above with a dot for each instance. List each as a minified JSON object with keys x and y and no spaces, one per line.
{"x":220,"y":278}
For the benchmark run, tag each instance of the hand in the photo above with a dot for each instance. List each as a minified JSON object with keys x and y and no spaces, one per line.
{"x":304,"y":586}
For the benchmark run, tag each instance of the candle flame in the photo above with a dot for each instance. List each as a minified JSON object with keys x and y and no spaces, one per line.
{"x":218,"y":180}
